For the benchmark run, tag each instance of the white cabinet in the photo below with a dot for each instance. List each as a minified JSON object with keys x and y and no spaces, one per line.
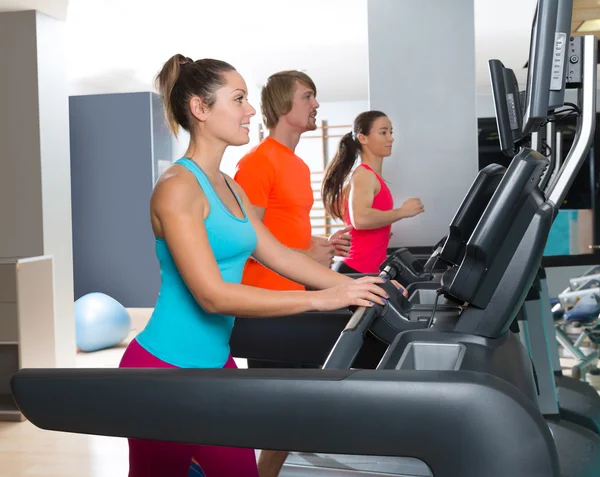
{"x":26,"y":322}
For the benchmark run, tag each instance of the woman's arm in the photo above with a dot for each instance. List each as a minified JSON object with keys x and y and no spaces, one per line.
{"x":287,"y":262}
{"x":180,"y":209}
{"x":363,"y":187}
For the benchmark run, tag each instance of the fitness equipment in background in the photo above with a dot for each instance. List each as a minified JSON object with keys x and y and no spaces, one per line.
{"x":100,"y":322}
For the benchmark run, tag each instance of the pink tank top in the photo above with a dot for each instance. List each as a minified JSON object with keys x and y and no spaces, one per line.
{"x":368,"y":248}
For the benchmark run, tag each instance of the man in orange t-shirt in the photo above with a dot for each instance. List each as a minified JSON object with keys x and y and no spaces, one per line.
{"x":277,"y":183}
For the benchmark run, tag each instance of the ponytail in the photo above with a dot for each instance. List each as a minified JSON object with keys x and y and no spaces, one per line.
{"x":336,"y":174}
{"x":165,"y":82}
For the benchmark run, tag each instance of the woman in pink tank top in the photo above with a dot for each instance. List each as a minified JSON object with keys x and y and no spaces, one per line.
{"x":365,"y":201}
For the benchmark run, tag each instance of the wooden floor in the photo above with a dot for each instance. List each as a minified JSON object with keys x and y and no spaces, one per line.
{"x":26,"y":451}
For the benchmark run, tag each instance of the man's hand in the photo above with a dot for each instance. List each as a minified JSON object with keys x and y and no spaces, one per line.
{"x":341,"y":242}
{"x":321,"y":251}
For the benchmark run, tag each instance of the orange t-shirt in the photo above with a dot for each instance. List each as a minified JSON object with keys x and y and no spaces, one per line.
{"x":274,"y":178}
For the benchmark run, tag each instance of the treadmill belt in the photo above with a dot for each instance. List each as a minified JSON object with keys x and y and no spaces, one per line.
{"x":310,"y":464}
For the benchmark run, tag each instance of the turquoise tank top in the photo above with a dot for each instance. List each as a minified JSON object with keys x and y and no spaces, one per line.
{"x":180,"y":332}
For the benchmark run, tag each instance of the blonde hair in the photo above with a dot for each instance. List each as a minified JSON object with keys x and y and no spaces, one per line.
{"x":181,"y":78}
{"x":278,"y":93}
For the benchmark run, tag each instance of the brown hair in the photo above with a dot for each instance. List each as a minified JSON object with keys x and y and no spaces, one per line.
{"x":340,"y":166}
{"x":180,"y":79}
{"x":277,"y":95}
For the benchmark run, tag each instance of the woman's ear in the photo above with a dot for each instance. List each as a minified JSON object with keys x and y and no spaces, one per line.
{"x":198,"y":108}
{"x":362,"y":139}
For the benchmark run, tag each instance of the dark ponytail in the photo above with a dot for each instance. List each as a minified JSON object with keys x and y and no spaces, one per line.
{"x":336,"y":174}
{"x":338,"y":170}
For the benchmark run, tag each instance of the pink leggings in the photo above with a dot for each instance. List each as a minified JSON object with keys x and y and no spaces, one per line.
{"x":170,"y":459}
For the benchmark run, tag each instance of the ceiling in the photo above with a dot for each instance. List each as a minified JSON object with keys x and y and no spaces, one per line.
{"x":585,"y":10}
{"x":54,"y":8}
{"x":119,"y":45}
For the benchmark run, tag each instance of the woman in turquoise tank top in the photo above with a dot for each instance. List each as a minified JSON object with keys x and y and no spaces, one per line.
{"x":364,"y":201}
{"x":205,"y":231}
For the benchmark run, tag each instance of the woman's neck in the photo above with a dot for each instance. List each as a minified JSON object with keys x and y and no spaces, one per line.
{"x":374,"y":162}
{"x":207,"y":154}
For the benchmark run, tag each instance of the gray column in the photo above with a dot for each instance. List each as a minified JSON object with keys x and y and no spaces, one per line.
{"x":422,"y":75}
{"x":35,"y":193}
{"x":117,"y":144}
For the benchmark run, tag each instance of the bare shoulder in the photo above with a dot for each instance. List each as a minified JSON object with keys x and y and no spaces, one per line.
{"x":177,"y":190}
{"x":363,"y":176}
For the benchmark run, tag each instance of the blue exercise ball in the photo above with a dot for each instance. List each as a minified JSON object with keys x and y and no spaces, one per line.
{"x":100,"y":322}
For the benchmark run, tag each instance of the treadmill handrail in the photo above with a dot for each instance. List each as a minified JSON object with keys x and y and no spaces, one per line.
{"x":586,"y":126}
{"x":482,"y":424}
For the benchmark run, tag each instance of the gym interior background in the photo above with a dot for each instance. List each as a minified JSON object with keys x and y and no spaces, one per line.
{"x":83,"y":139}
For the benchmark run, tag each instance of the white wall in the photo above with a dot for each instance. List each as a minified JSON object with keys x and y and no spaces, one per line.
{"x":422,"y":73}
{"x":342,"y":112}
{"x":485,"y":106}
{"x":35,"y":194}
{"x":334,"y":114}
{"x":56,"y":173}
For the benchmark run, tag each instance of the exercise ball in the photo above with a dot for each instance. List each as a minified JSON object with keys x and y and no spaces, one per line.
{"x":100,"y":322}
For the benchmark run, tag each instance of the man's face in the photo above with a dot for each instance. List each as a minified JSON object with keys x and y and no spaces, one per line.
{"x":303,"y":115}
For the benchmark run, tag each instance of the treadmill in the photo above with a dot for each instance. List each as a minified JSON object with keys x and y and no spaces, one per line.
{"x":575,"y":400}
{"x":463,"y":401}
{"x":449,"y":250}
{"x":458,"y":394}
{"x":307,"y":338}
{"x":571,"y":423}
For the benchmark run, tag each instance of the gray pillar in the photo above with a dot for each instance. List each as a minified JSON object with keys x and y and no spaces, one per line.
{"x":35,"y":192}
{"x":117,"y":143}
{"x":422,"y":75}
